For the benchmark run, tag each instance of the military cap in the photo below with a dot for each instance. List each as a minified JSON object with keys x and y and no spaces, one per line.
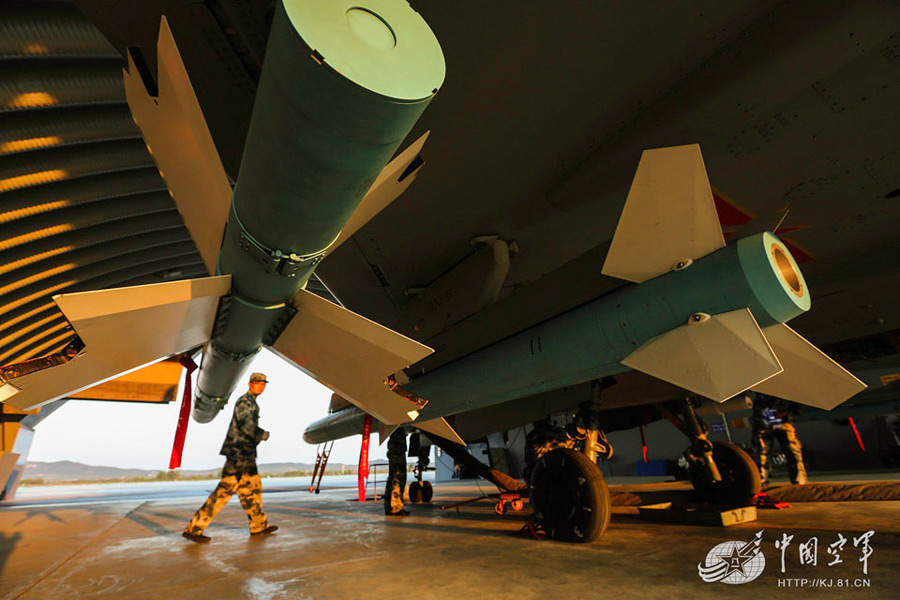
{"x":258,"y":377}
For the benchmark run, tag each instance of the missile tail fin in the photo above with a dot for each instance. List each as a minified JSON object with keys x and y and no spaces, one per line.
{"x":156,"y":383}
{"x":384,"y":432}
{"x":122,"y":330}
{"x":441,"y":428}
{"x":810,"y":377}
{"x":389,"y":185}
{"x":179,"y":140}
{"x":669,"y":216}
{"x":717,"y":357}
{"x":351,"y":355}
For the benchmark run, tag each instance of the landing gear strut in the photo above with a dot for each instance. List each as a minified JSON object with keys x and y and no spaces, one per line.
{"x":720,"y":472}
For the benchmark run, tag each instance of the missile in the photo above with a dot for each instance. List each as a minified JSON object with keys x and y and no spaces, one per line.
{"x":698,"y":314}
{"x":342,"y":85}
{"x":322,"y":130}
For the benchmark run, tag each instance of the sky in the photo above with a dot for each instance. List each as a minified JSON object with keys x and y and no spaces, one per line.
{"x":140,"y":435}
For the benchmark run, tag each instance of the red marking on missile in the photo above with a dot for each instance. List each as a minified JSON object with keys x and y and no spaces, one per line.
{"x":733,"y":216}
{"x":730,"y":213}
{"x":800,"y":255}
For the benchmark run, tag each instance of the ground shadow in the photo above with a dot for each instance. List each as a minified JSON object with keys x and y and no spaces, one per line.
{"x":7,"y":545}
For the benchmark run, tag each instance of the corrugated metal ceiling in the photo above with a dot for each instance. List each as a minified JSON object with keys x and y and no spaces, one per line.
{"x":82,"y":206}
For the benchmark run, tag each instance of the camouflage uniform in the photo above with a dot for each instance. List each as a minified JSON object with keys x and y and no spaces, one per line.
{"x":239,"y":474}
{"x":396,"y":481}
{"x":772,"y":418}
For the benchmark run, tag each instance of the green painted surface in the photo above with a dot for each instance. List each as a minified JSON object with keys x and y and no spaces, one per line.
{"x":590,"y":341}
{"x":381,"y":45}
{"x":773,"y":292}
{"x":335,"y":100}
{"x":320,"y":134}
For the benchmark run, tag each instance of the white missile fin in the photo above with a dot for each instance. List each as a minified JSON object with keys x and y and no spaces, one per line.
{"x":384,"y":432}
{"x":441,"y":428}
{"x":390,"y":183}
{"x":810,"y":376}
{"x":351,"y":355}
{"x":669,"y":216}
{"x":178,"y":138}
{"x":722,"y":356}
{"x":123,"y":330}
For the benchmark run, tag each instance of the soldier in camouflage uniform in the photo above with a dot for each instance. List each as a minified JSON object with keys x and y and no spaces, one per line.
{"x":239,"y":474}
{"x":396,"y":482}
{"x":772,"y":418}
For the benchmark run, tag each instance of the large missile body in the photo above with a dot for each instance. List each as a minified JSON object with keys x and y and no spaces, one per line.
{"x":700,"y":315}
{"x":596,"y":339}
{"x":592,"y":341}
{"x":341,"y":87}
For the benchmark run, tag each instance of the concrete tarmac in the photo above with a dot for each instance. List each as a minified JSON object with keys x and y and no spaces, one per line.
{"x":331,"y":547}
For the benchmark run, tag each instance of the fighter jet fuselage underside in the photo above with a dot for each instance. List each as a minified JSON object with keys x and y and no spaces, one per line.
{"x":562,"y":245}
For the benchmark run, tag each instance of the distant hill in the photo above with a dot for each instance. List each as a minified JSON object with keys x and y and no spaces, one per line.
{"x":66,"y":470}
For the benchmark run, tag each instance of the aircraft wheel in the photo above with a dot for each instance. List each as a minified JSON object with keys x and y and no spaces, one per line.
{"x":569,"y":495}
{"x":427,"y":491}
{"x":740,"y":477}
{"x":415,"y":492}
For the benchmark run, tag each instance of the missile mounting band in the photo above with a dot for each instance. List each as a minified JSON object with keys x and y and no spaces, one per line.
{"x":273,"y":260}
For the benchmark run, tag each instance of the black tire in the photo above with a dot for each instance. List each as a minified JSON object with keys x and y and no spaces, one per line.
{"x":427,"y":491}
{"x":415,"y":492}
{"x":740,"y":476}
{"x":569,"y":496}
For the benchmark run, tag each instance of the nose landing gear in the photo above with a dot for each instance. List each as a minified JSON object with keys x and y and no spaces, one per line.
{"x":720,"y":472}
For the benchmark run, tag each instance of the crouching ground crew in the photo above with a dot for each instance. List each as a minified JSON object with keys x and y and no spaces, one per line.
{"x":396,"y":481}
{"x":239,"y":474}
{"x":772,"y":418}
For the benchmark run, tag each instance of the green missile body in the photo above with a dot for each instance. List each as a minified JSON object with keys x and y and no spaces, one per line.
{"x":591,"y":341}
{"x":341,"y":87}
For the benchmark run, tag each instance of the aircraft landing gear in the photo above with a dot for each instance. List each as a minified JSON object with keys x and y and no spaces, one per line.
{"x":568,"y":491}
{"x":720,"y":472}
{"x":420,"y":491}
{"x":569,"y":496}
